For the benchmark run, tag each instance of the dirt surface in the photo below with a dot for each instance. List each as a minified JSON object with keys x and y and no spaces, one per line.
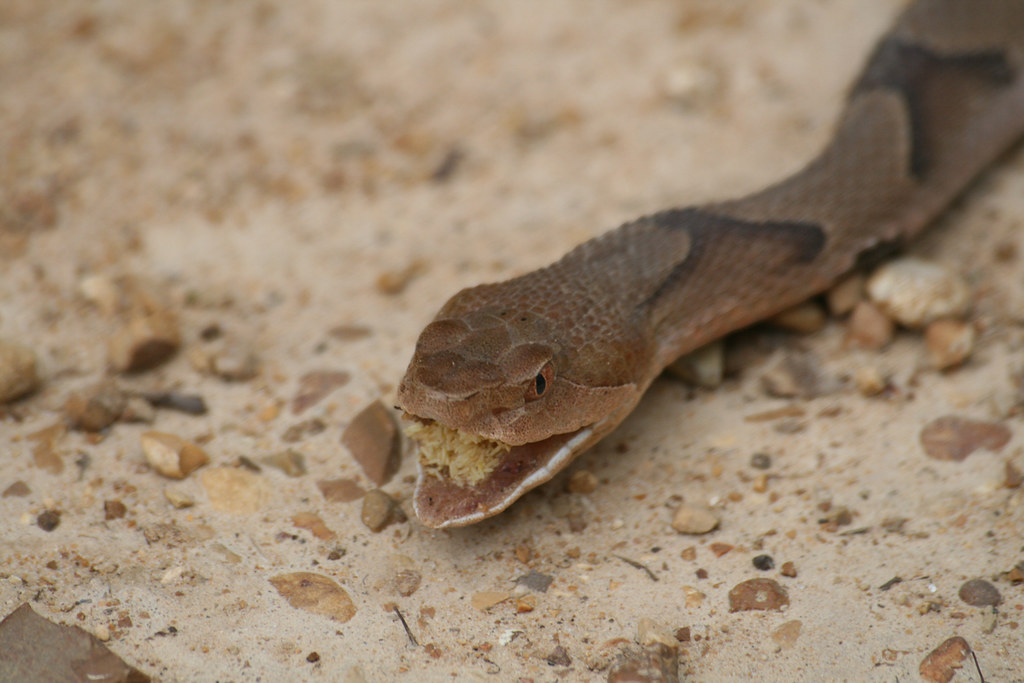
{"x":285,"y":174}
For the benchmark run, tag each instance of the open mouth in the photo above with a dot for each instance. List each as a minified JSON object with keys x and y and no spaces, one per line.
{"x":465,"y":478}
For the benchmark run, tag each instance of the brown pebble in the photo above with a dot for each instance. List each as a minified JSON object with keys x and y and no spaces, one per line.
{"x":868,"y":328}
{"x":395,"y":281}
{"x":149,"y":333}
{"x":47,"y":520}
{"x":942,"y":663}
{"x":525,"y":604}
{"x":980,"y":593}
{"x":314,"y":386}
{"x":582,"y":481}
{"x":18,"y":488}
{"x":720,"y":549}
{"x":1013,"y":476}
{"x":349,"y":332}
{"x":484,"y":600}
{"x":313,"y":657}
{"x":689,"y":553}
{"x":786,"y":635}
{"x":949,"y":343}
{"x":18,"y":373}
{"x":315,"y":593}
{"x":406,"y":582}
{"x":96,"y":408}
{"x":953,"y":438}
{"x":379,"y":510}
{"x":172,"y":456}
{"x":559,"y":657}
{"x":654,"y":663}
{"x":301,"y":430}
{"x":803,"y":318}
{"x":692,"y":519}
{"x":312,"y":522}
{"x":341,"y":490}
{"x":788,"y":569}
{"x":845,"y":295}
{"x":757,"y":594}
{"x":372,"y":439}
{"x":114,"y":509}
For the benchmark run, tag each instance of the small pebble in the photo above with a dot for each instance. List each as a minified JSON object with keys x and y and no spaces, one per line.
{"x":764,"y":562}
{"x":757,"y":594}
{"x":942,"y":663}
{"x":979,"y":593}
{"x":236,"y":362}
{"x":559,"y":657}
{"x":97,"y":407}
{"x":190,"y":404}
{"x":114,"y":509}
{"x":315,"y":593}
{"x":172,"y":456}
{"x":18,"y":373}
{"x":48,"y":520}
{"x":803,"y":318}
{"x":788,"y":570}
{"x":869,"y":381}
{"x":291,"y":462}
{"x":178,"y":499}
{"x":18,"y":488}
{"x":315,"y":386}
{"x":786,"y":635}
{"x":654,"y":663}
{"x":914,"y":292}
{"x":148,"y":335}
{"x":406,"y":582}
{"x":372,"y":439}
{"x":379,"y":510}
{"x":582,"y":481}
{"x":845,"y":294}
{"x":949,"y":343}
{"x":953,"y":438}
{"x":485,"y":600}
{"x":704,"y":367}
{"x":691,"y":85}
{"x":301,"y":430}
{"x":797,"y":374}
{"x":868,"y":328}
{"x":235,"y":490}
{"x":690,"y":519}
{"x":138,"y":409}
{"x":341,"y":490}
{"x":536,"y":581}
{"x":313,"y":657}
{"x":760,"y":461}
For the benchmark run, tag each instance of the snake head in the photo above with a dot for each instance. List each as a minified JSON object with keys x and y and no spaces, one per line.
{"x":491,"y":399}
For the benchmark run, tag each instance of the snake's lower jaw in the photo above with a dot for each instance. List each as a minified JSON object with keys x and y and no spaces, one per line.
{"x":441,"y":502}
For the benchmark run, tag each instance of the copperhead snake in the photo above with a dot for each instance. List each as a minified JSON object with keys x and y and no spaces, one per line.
{"x":513,"y":380}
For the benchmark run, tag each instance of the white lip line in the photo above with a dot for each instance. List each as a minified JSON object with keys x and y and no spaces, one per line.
{"x":538,"y":477}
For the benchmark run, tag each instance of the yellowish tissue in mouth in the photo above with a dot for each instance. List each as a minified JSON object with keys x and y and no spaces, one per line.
{"x":467,"y":458}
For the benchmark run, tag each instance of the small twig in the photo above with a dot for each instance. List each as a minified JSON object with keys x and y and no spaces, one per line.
{"x":638,"y":565}
{"x":408,"y":631}
{"x":977,"y":666}
{"x":890,"y":583}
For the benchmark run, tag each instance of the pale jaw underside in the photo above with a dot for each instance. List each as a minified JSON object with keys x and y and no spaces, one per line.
{"x":483,"y":486}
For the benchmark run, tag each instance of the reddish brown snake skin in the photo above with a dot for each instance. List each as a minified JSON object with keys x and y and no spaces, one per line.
{"x":548,"y":363}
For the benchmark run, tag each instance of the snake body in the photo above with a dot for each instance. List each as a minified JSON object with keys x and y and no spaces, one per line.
{"x":512,"y":380}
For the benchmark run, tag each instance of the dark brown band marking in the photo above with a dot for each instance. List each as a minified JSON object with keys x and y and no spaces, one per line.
{"x":801,"y":242}
{"x":916,"y":72}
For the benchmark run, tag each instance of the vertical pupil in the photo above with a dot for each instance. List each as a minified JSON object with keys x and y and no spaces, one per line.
{"x":542,"y":385}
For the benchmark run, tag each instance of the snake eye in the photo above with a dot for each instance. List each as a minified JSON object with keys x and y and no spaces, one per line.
{"x":540,"y":383}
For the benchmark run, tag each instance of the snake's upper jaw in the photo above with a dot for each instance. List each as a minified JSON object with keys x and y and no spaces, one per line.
{"x":442,"y":501}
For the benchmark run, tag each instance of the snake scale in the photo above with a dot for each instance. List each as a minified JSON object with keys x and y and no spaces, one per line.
{"x":514,"y":379}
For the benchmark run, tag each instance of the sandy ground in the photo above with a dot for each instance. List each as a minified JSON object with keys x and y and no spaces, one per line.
{"x":265,"y":163}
